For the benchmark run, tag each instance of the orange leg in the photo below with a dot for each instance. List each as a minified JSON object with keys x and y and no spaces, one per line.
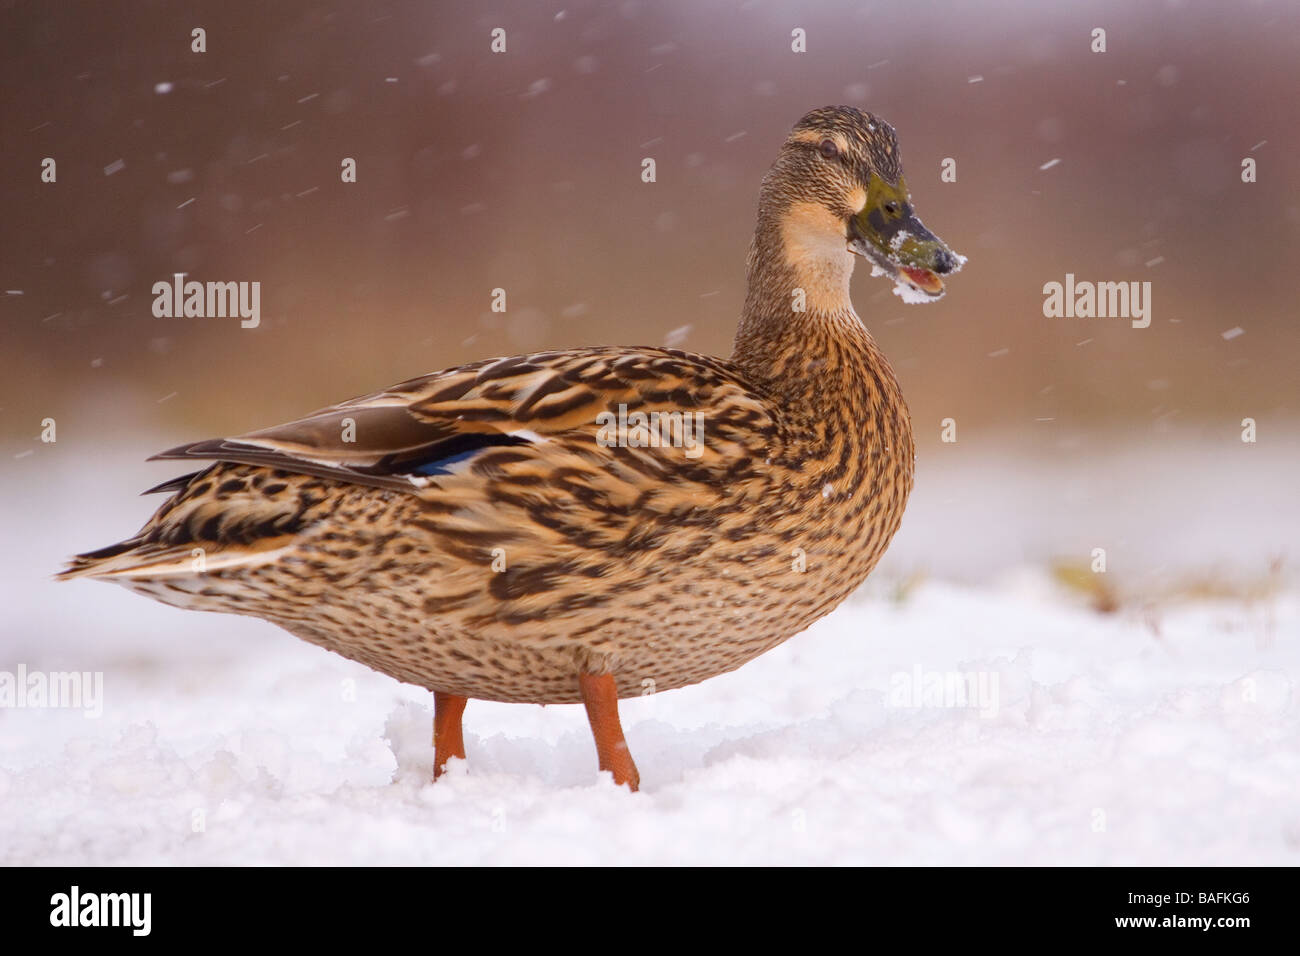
{"x":600,"y":694}
{"x":448,"y":739}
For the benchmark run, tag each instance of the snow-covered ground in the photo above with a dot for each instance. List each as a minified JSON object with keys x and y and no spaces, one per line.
{"x":1166,"y":733}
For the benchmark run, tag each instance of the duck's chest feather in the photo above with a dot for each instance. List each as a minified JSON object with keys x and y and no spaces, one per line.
{"x":849,"y":459}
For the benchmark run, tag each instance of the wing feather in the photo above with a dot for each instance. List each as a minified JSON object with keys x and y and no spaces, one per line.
{"x":416,"y":434}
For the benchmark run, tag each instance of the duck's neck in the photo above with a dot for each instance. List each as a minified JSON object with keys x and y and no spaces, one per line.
{"x":799,"y":336}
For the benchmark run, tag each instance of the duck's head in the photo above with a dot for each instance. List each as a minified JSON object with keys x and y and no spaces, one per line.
{"x":838,"y":183}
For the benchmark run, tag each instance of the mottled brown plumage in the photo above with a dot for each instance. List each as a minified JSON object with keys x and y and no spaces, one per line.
{"x":476,"y":537}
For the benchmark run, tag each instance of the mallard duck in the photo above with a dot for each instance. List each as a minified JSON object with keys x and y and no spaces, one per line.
{"x":528,"y":528}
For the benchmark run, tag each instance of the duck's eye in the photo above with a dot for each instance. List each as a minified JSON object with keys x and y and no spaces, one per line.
{"x":828,"y":149}
{"x":891,"y":207}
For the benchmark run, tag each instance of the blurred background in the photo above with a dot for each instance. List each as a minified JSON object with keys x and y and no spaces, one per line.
{"x":522,"y":170}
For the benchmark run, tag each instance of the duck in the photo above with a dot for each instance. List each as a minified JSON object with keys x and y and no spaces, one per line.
{"x":588,"y":524}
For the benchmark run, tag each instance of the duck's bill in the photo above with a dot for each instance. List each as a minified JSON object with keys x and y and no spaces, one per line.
{"x":915,"y":283}
{"x":889,"y":235}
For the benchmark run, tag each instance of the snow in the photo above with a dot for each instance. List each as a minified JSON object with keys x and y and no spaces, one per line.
{"x":1107,"y":744}
{"x":678,"y":336}
{"x":904,"y":289}
{"x":911,"y":294}
{"x":1165,"y":733}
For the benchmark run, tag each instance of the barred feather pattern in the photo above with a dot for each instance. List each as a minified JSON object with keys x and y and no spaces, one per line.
{"x":476,"y":537}
{"x":639,"y":561}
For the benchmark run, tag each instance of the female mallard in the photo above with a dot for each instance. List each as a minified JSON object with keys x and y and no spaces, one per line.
{"x":528,"y":529}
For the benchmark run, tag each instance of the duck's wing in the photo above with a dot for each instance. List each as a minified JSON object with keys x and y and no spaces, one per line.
{"x":524,"y":451}
{"x":419,"y":434}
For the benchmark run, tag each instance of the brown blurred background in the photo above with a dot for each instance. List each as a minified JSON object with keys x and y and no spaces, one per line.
{"x":522,"y":171}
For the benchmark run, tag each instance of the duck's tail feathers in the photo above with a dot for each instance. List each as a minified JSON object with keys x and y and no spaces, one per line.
{"x":136,"y":558}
